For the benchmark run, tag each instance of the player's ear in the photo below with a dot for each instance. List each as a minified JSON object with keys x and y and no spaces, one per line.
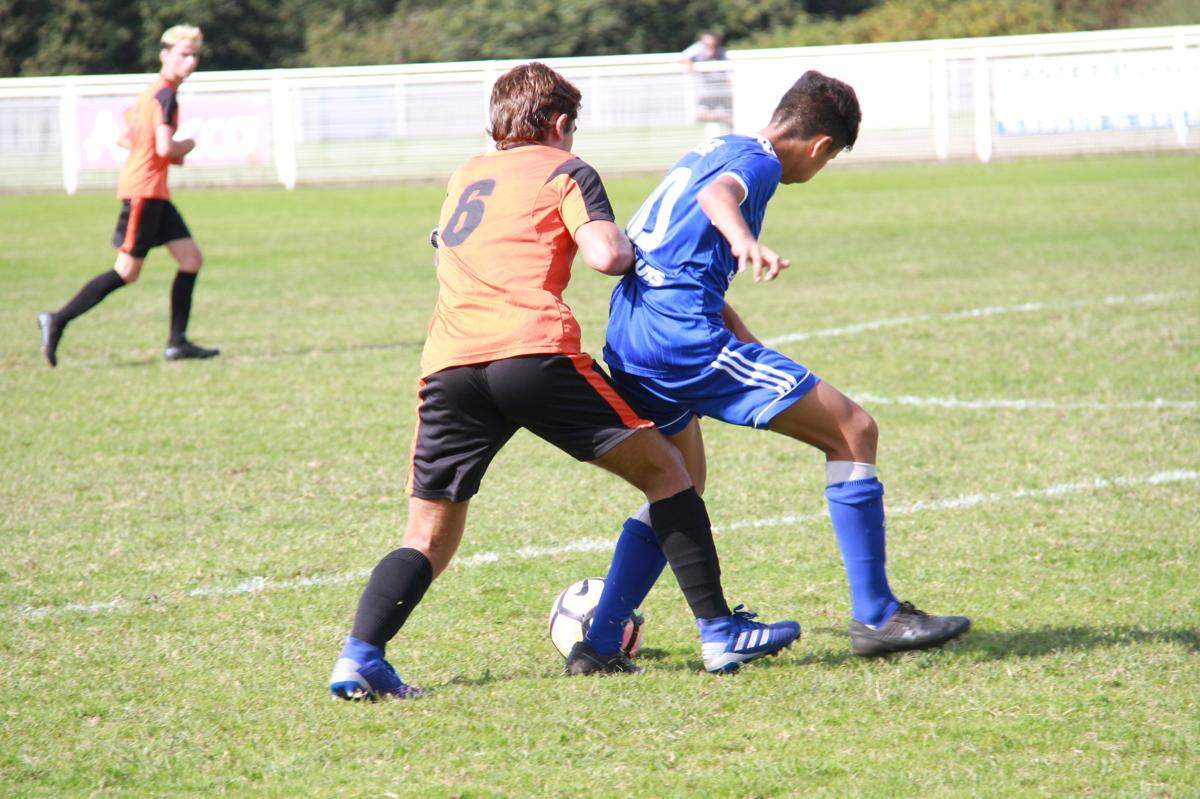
{"x":562,"y":126}
{"x":821,"y":146}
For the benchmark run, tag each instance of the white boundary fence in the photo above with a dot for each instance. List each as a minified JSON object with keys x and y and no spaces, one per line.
{"x":1002,"y":97}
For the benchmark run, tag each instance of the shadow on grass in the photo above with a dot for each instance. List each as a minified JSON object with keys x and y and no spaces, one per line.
{"x":243,"y":357}
{"x":975,"y":645}
{"x":1036,"y":642}
{"x":1004,"y":644}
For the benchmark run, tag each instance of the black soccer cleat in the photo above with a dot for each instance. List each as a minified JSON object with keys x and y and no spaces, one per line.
{"x":184,"y":349}
{"x":51,"y":333}
{"x":908,"y":628}
{"x":585,"y":660}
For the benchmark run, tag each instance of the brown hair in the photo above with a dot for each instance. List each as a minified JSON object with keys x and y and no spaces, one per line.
{"x":525,"y":102}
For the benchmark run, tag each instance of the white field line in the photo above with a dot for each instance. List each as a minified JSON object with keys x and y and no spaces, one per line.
{"x":970,"y":313}
{"x":1024,"y":404}
{"x":260,"y":584}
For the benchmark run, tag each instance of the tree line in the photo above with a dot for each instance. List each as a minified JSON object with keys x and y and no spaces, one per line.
{"x":72,"y":37}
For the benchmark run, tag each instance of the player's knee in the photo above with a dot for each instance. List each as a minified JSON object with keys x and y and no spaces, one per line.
{"x":191,"y":262}
{"x":129,"y":274}
{"x":669,"y":473}
{"x":861,"y":431}
{"x":662,"y":470}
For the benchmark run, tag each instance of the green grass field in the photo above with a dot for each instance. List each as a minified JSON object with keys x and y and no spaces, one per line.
{"x":185,"y":543}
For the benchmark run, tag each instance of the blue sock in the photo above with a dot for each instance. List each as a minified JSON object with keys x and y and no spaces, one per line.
{"x":856,"y":508}
{"x":360,"y":651}
{"x":637,"y":562}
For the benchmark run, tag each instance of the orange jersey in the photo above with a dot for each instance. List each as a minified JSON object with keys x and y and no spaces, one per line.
{"x":144,"y":175}
{"x":507,"y":242}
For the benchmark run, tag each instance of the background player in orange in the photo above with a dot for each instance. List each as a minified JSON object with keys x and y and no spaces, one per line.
{"x":148,"y":218}
{"x":503,"y":353}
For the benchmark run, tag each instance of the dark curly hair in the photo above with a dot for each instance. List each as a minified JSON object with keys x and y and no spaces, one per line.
{"x":818,"y":105}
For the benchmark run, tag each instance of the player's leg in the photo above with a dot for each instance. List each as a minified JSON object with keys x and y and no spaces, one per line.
{"x":183,"y":248}
{"x":833,"y":423}
{"x":728,"y":639}
{"x":830,"y":421}
{"x":130,"y":239}
{"x":676,"y":514}
{"x":571,"y":403}
{"x":592,"y":422}
{"x":638,"y":559}
{"x":396,"y":586}
{"x":458,"y":433}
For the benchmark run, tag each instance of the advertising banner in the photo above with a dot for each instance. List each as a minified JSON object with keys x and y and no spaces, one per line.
{"x":1095,"y":92}
{"x":230,"y":129}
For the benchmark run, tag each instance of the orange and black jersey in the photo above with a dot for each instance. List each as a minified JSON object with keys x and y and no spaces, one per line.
{"x":507,"y":242}
{"x":144,"y":175}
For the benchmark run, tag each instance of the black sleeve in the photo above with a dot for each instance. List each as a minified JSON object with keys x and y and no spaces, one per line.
{"x":591,"y":188}
{"x":170,"y":106}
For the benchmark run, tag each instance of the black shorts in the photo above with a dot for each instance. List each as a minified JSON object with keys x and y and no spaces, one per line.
{"x":467,"y":413}
{"x":146,"y":223}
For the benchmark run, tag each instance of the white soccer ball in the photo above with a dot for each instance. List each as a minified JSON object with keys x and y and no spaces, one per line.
{"x":571,"y":615}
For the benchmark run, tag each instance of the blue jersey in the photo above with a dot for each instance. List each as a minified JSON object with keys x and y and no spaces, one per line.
{"x":665,"y":315}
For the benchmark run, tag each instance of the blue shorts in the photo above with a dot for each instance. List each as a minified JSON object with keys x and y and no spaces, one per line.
{"x":746,"y":384}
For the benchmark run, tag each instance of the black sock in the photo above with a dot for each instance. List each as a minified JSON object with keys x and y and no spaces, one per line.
{"x":89,"y":296}
{"x":181,"y":304}
{"x":396,"y":586}
{"x":685,"y":534}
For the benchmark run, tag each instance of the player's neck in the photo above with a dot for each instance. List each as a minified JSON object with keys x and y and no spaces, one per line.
{"x":774,"y":135}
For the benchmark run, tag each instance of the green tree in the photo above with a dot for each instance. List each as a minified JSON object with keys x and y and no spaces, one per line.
{"x":479,"y":29}
{"x":238,"y":34}
{"x":75,"y":37}
{"x":951,"y":19}
{"x":902,"y":20}
{"x":21,"y":23}
{"x":1167,"y":12}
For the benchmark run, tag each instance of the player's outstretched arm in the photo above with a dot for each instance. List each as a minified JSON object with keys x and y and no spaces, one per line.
{"x":736,"y":326}
{"x":604,"y":247}
{"x":721,"y":202}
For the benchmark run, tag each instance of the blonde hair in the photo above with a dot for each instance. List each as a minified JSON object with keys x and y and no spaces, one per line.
{"x":181,"y":33}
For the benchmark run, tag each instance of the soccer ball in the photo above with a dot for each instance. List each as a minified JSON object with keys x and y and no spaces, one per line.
{"x":571,"y":615}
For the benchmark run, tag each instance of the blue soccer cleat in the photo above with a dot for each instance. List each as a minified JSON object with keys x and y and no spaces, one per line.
{"x":372,"y":680}
{"x":727,"y":642}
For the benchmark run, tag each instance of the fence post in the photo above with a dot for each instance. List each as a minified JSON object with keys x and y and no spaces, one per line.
{"x":68,"y":128}
{"x":983,"y":108}
{"x":400,"y":94}
{"x":1180,"y":115}
{"x":941,"y":105}
{"x":283,"y":127}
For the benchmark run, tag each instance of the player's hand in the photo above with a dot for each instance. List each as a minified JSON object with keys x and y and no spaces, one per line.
{"x":190,"y":144}
{"x":765,"y":262}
